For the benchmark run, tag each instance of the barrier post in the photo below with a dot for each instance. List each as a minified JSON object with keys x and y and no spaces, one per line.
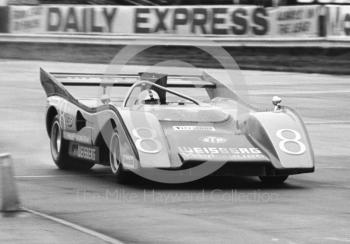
{"x":323,"y":21}
{"x":10,"y":199}
{"x":4,"y":19}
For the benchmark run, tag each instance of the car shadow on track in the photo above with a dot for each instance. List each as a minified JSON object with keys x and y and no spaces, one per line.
{"x":208,"y":183}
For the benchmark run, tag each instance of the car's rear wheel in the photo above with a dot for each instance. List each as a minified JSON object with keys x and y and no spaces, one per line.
{"x":59,"y":150}
{"x":115,"y":162}
{"x":273,"y":180}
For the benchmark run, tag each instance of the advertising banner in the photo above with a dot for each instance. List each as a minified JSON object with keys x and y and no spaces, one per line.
{"x":177,"y":20}
{"x":26,"y":19}
{"x":338,"y":20}
{"x":225,"y":20}
{"x":295,"y":21}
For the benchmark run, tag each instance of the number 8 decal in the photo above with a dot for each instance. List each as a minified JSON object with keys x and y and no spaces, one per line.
{"x":295,"y":139}
{"x":151,"y":137}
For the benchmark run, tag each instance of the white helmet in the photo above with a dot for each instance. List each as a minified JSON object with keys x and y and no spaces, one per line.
{"x":149,"y":97}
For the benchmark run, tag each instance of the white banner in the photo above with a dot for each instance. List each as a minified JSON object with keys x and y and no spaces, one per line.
{"x":178,"y":20}
{"x":295,"y":21}
{"x":26,"y":19}
{"x":338,"y":20}
{"x":244,"y":21}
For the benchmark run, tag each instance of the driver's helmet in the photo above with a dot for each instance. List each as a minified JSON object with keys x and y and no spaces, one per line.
{"x":149,"y":97}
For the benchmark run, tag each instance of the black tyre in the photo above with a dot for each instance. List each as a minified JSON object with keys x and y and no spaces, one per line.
{"x":273,"y":180}
{"x":59,"y":150}
{"x":122,"y":176}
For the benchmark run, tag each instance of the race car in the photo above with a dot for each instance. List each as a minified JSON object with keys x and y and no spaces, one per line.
{"x":156,"y":125}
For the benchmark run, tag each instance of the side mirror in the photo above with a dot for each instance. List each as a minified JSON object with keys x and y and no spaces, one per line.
{"x":276,"y":100}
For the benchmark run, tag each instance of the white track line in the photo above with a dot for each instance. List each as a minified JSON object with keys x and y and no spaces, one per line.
{"x":56,"y":176}
{"x":337,"y":239}
{"x":85,"y":230}
{"x":298,"y":92}
{"x":39,"y":176}
{"x":331,"y":167}
{"x":328,"y":122}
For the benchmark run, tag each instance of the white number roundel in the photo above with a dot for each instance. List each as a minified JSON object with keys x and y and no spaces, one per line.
{"x":144,"y":135}
{"x":295,"y":139}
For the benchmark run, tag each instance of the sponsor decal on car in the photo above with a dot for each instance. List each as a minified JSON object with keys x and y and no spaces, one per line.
{"x":69,"y":120}
{"x":84,"y":152}
{"x":220,"y":150}
{"x":225,"y":157}
{"x":225,"y":153}
{"x":76,"y":137}
{"x":195,"y":128}
{"x":128,"y":160}
{"x":213,"y":139}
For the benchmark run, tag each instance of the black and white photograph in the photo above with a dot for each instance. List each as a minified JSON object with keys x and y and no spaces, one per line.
{"x":184,"y":121}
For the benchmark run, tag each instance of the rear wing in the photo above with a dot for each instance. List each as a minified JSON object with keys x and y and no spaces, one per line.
{"x":54,"y":83}
{"x":124,"y":80}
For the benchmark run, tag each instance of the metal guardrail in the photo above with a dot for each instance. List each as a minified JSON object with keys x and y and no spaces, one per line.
{"x":229,"y":41}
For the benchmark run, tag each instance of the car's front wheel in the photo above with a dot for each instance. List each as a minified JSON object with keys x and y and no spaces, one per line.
{"x":115,"y":162}
{"x":273,"y":180}
{"x":60,"y":147}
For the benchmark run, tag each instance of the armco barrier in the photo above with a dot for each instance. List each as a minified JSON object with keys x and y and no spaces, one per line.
{"x":302,"y":55}
{"x":317,"y":42}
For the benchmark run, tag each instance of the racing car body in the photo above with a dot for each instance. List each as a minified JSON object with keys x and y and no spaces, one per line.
{"x":169,"y":130}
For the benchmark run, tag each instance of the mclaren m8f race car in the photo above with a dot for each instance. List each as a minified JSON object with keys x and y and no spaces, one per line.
{"x":152,"y":123}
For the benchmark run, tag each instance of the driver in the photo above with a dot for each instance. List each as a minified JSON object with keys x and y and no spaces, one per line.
{"x":148,"y":97}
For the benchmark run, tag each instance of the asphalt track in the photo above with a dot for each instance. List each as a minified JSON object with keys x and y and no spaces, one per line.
{"x":309,"y":208}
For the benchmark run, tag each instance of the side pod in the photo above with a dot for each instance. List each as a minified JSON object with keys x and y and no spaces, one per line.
{"x":282,"y":136}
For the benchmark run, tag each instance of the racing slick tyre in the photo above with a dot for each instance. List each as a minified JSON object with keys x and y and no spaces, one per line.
{"x":122,"y":176}
{"x":273,"y":180}
{"x":59,"y":150}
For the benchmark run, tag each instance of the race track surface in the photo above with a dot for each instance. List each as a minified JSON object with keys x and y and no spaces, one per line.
{"x":309,"y":208}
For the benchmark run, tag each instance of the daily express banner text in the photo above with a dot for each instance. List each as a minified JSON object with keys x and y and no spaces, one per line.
{"x":178,"y":20}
